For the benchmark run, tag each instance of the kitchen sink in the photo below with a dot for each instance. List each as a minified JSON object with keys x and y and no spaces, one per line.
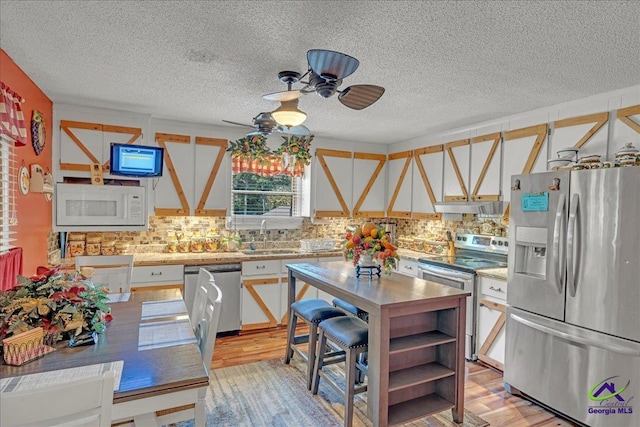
{"x":271,"y":252}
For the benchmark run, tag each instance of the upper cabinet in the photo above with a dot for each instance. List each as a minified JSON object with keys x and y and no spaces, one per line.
{"x":626,"y":127}
{"x":173,"y":191}
{"x":212,"y":179}
{"x":486,"y":155}
{"x":333,"y":183}
{"x":399,"y":184}
{"x":369,"y":181}
{"x":427,"y":181}
{"x":585,"y":127}
{"x":456,"y":170}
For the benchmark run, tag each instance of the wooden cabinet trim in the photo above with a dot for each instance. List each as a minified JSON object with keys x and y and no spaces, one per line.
{"x":162,"y":139}
{"x":493,"y":334}
{"x":381,"y":159}
{"x":321,"y":154}
{"x":303,"y":290}
{"x":624,"y":115}
{"x":249,"y":286}
{"x":67,"y":125}
{"x":222,"y":143}
{"x":449,"y":147}
{"x":407,"y":155}
{"x":495,"y":137}
{"x":598,"y":119}
{"x":425,"y":180}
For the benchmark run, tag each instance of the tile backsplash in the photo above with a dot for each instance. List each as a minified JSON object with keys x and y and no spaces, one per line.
{"x":162,"y":230}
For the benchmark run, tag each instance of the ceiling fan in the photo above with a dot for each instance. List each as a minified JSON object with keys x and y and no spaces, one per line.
{"x":326,"y":71}
{"x":264,"y":124}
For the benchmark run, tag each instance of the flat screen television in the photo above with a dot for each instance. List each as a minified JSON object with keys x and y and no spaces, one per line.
{"x":136,"y":160}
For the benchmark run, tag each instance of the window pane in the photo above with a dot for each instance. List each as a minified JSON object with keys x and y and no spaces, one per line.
{"x":258,"y":195}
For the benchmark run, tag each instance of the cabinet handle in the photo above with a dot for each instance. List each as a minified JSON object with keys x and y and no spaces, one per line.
{"x":156,"y":274}
{"x":497,"y":290}
{"x":260,"y":266}
{"x":408,"y":267}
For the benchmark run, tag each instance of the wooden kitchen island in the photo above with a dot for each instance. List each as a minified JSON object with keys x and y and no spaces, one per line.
{"x":416,"y":339}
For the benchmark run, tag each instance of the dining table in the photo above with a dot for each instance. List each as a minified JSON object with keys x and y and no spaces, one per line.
{"x":415,"y":341}
{"x":152,"y":347}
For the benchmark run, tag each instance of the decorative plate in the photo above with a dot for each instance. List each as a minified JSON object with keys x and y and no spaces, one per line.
{"x":38,"y":135}
{"x":23,"y":179}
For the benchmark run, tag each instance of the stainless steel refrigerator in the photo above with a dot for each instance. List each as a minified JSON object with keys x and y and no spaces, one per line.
{"x":573,"y":304}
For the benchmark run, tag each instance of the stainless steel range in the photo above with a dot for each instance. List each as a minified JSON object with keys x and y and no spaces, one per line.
{"x":473,"y":252}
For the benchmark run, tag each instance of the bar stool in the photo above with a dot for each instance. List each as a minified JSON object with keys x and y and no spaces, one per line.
{"x":351,"y":309}
{"x":312,"y":312}
{"x":351,"y":335}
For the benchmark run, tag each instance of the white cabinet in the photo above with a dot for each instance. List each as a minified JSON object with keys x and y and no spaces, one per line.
{"x":490,"y":339}
{"x":261,"y":301}
{"x":427,"y":182}
{"x":486,"y":155}
{"x":456,"y":170}
{"x":399,"y":185}
{"x":408,"y":267}
{"x":157,"y":277}
{"x":333,"y":183}
{"x":369,"y":184}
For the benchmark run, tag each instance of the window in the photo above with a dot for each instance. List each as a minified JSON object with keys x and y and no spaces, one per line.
{"x":8,"y":184}
{"x":253,"y":194}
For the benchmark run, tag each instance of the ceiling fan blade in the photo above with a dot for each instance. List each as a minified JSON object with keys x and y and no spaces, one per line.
{"x":360,"y":96}
{"x":257,"y":132}
{"x":330,"y":63}
{"x":294,"y":130}
{"x":287,"y":95}
{"x":239,"y":124}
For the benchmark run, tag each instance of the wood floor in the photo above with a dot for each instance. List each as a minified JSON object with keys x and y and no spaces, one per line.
{"x":484,"y":395}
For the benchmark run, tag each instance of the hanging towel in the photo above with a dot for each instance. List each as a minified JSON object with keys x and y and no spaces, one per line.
{"x":10,"y":268}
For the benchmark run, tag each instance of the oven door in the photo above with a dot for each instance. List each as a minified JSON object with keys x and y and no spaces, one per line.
{"x":459,"y":280}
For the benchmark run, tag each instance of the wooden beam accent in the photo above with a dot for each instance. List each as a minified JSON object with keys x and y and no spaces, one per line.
{"x":494,"y":305}
{"x":427,"y":216}
{"x":381,"y":159}
{"x":541,"y":133}
{"x":407,"y":155}
{"x":449,"y":147}
{"x":79,"y":143}
{"x":213,"y":142}
{"x":162,"y":139}
{"x":624,"y":115}
{"x":250,"y":287}
{"x":495,"y":137}
{"x":321,"y":154}
{"x":425,"y":179}
{"x":599,"y":119}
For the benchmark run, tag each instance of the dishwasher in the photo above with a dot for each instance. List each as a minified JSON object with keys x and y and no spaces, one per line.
{"x":227,"y":278}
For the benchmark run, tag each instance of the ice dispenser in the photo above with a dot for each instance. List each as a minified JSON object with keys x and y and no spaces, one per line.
{"x":531,"y":251}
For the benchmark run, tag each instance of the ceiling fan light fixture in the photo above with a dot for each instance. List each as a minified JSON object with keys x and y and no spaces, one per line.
{"x":288,"y":114}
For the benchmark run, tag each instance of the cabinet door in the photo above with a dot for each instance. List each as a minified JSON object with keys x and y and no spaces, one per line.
{"x":581,"y":126}
{"x":211,"y":177}
{"x":626,"y":128}
{"x":485,"y":167}
{"x":400,"y":175}
{"x":369,"y":185}
{"x":427,"y":182}
{"x":333,"y":183}
{"x":260,"y":302}
{"x":82,"y":144}
{"x":174,"y":190}
{"x":456,"y":170}
{"x":408,"y":267}
{"x":521,"y":152}
{"x":491,"y":332}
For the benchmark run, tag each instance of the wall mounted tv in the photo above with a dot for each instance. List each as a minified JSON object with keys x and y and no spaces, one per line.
{"x":136,"y":160}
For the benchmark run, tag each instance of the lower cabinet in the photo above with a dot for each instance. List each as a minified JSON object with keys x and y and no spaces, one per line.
{"x":492,"y":297}
{"x":408,"y":267}
{"x":157,"y":277}
{"x":260,"y":294}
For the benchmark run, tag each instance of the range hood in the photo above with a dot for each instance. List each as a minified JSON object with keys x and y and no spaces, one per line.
{"x":484,"y":208}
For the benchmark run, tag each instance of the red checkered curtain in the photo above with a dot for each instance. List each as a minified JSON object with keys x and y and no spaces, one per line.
{"x":10,"y":268}
{"x":269,"y":166}
{"x":11,"y":117}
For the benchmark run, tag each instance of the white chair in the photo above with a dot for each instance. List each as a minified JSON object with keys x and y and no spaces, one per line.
{"x":205,"y":317}
{"x":86,"y":402}
{"x":112,"y":271}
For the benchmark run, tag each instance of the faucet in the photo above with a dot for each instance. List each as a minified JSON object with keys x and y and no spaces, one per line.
{"x":263,"y":232}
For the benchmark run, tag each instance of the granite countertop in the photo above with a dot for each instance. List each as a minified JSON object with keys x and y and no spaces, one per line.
{"x":494,"y":273}
{"x":411,"y":255}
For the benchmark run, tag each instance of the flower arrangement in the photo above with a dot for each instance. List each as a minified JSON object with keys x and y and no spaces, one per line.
{"x":371,"y":240}
{"x":295,"y":150}
{"x":62,"y":304}
{"x":251,"y":147}
{"x":297,"y":147}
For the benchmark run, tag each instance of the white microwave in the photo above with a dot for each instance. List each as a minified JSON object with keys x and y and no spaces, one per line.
{"x":100,"y":207}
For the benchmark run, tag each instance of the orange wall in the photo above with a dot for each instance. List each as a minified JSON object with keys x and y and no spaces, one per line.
{"x":34,"y":212}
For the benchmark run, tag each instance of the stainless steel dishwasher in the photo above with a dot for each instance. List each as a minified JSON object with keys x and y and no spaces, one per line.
{"x":227,"y":277}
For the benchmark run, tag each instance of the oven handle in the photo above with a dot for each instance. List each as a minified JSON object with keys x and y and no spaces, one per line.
{"x":448,"y":275}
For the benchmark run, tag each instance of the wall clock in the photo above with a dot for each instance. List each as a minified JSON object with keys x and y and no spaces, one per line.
{"x":38,"y":134}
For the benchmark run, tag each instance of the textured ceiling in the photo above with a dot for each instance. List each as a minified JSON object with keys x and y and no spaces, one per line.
{"x":444,"y":64}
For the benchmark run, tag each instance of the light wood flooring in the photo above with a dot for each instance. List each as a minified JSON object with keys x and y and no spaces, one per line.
{"x":484,"y":393}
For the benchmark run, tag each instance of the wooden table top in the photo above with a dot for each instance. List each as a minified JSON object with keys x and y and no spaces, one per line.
{"x":145,"y":373}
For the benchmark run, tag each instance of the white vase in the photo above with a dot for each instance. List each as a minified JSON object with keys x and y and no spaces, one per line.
{"x":366,"y":260}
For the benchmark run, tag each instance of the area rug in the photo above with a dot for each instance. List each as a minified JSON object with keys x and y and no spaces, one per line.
{"x":271,"y":393}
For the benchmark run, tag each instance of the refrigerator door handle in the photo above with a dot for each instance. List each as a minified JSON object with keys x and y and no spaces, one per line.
{"x":558,"y":261}
{"x":576,"y":339}
{"x":571,"y":238}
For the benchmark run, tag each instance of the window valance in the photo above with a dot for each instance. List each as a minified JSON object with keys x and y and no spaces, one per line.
{"x":11,"y":116}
